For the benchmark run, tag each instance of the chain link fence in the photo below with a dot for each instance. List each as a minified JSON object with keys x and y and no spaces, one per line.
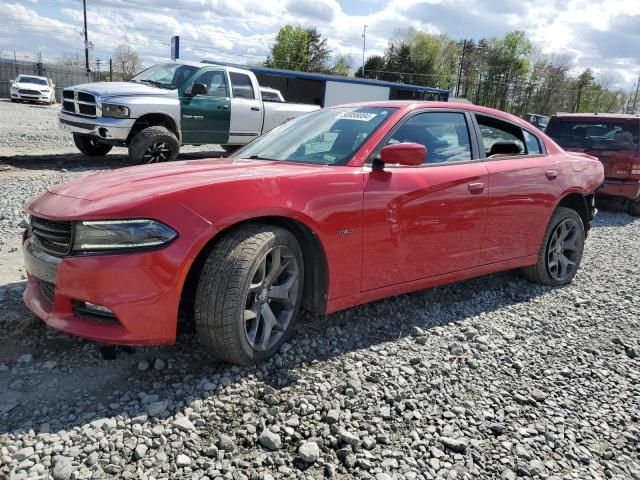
{"x":62,"y":76}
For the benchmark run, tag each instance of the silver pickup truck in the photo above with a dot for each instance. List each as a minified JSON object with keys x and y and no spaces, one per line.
{"x":169,"y":105}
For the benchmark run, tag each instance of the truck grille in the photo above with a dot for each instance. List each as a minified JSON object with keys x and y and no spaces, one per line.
{"x":53,"y":237}
{"x":79,"y":103}
{"x":48,"y":290}
{"x":23,"y":91}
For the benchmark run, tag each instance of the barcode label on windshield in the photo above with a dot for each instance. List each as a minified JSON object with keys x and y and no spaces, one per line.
{"x":360,"y":116}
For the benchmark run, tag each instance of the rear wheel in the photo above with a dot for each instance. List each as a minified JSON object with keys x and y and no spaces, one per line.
{"x":249,"y":294}
{"x":561,"y":250}
{"x":154,"y":145}
{"x":633,"y":208}
{"x":90,"y":146}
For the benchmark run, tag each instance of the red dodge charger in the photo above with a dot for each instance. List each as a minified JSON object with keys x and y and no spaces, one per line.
{"x":332,"y":209}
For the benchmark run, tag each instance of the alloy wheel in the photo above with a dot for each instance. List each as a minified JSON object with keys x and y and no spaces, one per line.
{"x":157,"y":152}
{"x":271,"y":298}
{"x":564,"y":249}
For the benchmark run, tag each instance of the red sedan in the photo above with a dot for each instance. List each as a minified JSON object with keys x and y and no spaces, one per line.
{"x":333,"y":209}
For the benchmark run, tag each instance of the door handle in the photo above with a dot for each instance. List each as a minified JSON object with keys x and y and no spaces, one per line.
{"x":255,"y":109}
{"x":551,"y":174}
{"x":223,"y":107}
{"x":476,"y":188}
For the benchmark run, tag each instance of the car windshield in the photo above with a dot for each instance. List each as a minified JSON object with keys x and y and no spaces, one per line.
{"x":166,"y":75}
{"x":34,"y":80}
{"x":596,"y":134}
{"x":328,"y":137}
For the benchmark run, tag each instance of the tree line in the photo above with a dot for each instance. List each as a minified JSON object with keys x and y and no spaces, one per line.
{"x":507,"y":72}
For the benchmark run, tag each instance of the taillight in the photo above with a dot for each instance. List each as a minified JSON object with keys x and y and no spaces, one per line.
{"x":635,"y":168}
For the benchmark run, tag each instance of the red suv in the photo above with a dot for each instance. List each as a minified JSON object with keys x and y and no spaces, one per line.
{"x":613,"y":138}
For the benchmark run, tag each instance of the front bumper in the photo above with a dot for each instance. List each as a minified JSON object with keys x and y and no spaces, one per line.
{"x":44,"y":97}
{"x":620,"y":188}
{"x":100,"y":127}
{"x":142,"y":289}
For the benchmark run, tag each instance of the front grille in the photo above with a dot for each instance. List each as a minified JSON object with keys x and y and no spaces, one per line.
{"x":23,"y":91}
{"x":79,"y":103}
{"x":48,"y":290}
{"x":53,"y":237}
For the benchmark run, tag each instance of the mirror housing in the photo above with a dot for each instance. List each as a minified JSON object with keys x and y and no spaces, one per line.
{"x":196,"y":89}
{"x":408,"y":154}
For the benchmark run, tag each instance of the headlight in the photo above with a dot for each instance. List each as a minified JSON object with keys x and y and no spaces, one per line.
{"x":115,"y":111}
{"x":45,"y":90}
{"x":104,"y":235}
{"x":25,"y":222}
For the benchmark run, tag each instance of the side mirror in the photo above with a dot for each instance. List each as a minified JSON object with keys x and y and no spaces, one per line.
{"x":196,"y":89}
{"x":408,"y":154}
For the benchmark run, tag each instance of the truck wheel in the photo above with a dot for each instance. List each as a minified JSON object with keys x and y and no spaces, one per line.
{"x":634,"y":208}
{"x":561,"y":250}
{"x":153,"y":145}
{"x":90,"y":146}
{"x":231,"y":148}
{"x":249,"y":294}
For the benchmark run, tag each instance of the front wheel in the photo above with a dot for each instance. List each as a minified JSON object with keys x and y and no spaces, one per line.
{"x":249,"y":293}
{"x":154,"y":145}
{"x":90,"y":146}
{"x":561,"y":251}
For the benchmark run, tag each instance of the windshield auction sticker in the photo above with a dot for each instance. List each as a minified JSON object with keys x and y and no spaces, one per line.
{"x":360,"y":116}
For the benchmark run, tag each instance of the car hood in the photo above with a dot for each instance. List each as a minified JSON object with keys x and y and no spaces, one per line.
{"x":136,"y":183}
{"x":31,"y":86}
{"x":120,"y":89}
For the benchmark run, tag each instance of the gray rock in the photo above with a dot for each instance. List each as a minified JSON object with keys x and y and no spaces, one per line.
{"x":26,"y":358}
{"x":309,"y":452}
{"x":62,"y":468}
{"x":159,"y":364}
{"x":333,"y":416}
{"x":270,"y":440}
{"x":182,"y":460}
{"x":23,"y":454}
{"x":183,"y":423}
{"x":226,"y":443}
{"x":157,"y":408}
{"x":140,"y":451}
{"x":458,"y":445}
{"x":143,"y":365}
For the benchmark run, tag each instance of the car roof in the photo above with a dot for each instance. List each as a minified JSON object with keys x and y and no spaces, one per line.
{"x":596,"y":115}
{"x":410,"y":105}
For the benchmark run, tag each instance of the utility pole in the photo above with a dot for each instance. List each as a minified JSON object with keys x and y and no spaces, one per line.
{"x":86,"y":37}
{"x":635,"y":97}
{"x":364,"y":45}
{"x":98,"y":61}
{"x":110,"y":70}
{"x":123,"y":79}
{"x":464,"y":50}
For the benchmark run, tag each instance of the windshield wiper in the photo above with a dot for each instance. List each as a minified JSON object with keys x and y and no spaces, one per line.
{"x":154,"y":83}
{"x":258,"y":157}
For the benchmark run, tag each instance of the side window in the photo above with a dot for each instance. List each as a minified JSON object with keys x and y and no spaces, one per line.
{"x":533,"y":145}
{"x":241,"y":86}
{"x":444,"y":134}
{"x":500,"y":139}
{"x":216,"y":82}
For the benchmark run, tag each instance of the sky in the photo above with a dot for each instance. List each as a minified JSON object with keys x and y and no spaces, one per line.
{"x":601,"y":34}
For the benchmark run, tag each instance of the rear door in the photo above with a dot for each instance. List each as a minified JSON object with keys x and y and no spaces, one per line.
{"x":206,"y":118}
{"x":425,"y":221}
{"x":524,"y":185}
{"x":246,"y":109}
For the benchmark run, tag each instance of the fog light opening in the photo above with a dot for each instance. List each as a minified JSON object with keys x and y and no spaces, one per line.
{"x":93,"y":311}
{"x":103,"y":132}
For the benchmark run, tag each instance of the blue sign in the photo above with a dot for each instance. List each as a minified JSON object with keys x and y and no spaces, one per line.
{"x":175,"y":47}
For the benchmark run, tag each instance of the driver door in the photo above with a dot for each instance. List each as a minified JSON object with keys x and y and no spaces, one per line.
{"x":429,"y":220}
{"x":206,"y":118}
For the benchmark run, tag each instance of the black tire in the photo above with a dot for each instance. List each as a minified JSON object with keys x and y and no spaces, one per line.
{"x":154,"y":145}
{"x":633,"y":208}
{"x":13,"y":100}
{"x":90,"y":146}
{"x":544,"y":271}
{"x":224,"y":303}
{"x":231,"y":148}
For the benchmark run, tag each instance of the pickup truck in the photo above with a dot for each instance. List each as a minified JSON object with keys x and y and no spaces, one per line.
{"x":168,"y":105}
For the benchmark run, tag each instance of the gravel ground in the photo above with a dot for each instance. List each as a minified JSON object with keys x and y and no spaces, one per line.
{"x":488,"y":378}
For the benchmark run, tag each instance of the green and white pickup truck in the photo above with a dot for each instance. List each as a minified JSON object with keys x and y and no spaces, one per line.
{"x":169,"y":105}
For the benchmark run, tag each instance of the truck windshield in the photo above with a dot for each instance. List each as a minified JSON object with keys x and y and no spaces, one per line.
{"x":165,"y":75}
{"x":328,"y":137}
{"x":595,"y":134}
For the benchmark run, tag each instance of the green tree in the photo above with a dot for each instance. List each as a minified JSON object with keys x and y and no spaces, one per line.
{"x":342,"y":65}
{"x":296,"y":48}
{"x":373,"y":67}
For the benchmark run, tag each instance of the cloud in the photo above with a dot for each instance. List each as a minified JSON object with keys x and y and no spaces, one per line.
{"x":601,"y":34}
